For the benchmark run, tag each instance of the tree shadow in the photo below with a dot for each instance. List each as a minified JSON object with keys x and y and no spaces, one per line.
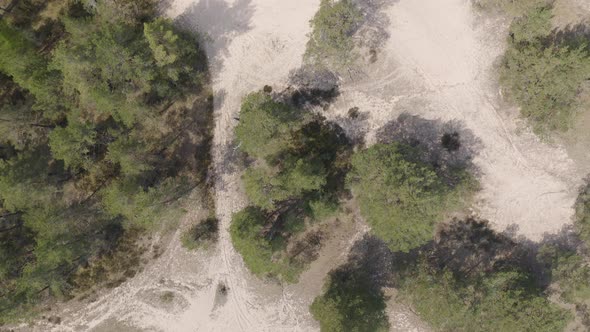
{"x":311,"y":86}
{"x":572,"y":36}
{"x":444,"y":145}
{"x":372,"y":256}
{"x":217,"y":23}
{"x":355,"y":125}
{"x":164,"y":6}
{"x":372,"y":33}
{"x":234,"y":159}
{"x":465,"y":247}
{"x":354,"y":290}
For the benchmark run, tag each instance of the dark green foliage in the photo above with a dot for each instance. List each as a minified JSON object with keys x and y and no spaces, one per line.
{"x":262,"y":254}
{"x":401,"y":197}
{"x":296,"y":179}
{"x":582,"y":216}
{"x":350,"y":302}
{"x":202,"y":234}
{"x":515,"y":8}
{"x":265,"y":125}
{"x":102,"y":108}
{"x":333,"y":26}
{"x":543,"y":71}
{"x":471,"y":279}
{"x":29,"y":70}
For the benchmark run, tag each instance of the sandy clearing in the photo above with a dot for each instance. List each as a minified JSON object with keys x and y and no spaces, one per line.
{"x":439,"y":64}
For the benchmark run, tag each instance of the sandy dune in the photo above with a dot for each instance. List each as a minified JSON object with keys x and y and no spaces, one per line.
{"x":437,"y":63}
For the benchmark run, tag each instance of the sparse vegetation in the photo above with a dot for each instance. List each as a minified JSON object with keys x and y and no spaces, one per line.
{"x":568,"y":265}
{"x":331,"y":41}
{"x":511,"y":7}
{"x":582,"y":215}
{"x":167,"y":297}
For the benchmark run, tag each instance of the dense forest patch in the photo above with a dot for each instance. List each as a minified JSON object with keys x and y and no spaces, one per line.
{"x":105,"y":126}
{"x":294,"y":179}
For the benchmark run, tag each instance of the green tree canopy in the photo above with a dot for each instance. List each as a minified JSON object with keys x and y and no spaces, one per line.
{"x":401,"y":197}
{"x":473,"y":279}
{"x":331,"y":43}
{"x":265,"y":125}
{"x":262,"y":253}
{"x":296,"y":179}
{"x":350,"y":302}
{"x":543,"y":72}
{"x":102,"y":106}
{"x":29,"y":70}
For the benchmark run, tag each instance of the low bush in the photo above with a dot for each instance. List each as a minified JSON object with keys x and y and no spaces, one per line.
{"x":331,"y":43}
{"x":471,"y":279}
{"x":543,"y":71}
{"x":262,"y":254}
{"x":350,"y":302}
{"x":202,"y":234}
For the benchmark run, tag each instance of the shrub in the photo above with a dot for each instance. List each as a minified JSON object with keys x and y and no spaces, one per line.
{"x":501,"y":301}
{"x":202,"y":234}
{"x":350,"y":302}
{"x":471,"y":279}
{"x":265,"y":125}
{"x":569,"y":270}
{"x":331,"y":42}
{"x":262,"y":254}
{"x":543,"y":73}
